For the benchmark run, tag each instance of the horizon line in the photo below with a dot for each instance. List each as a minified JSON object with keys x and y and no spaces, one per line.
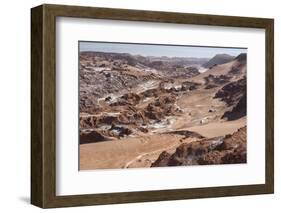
{"x":173,"y":50}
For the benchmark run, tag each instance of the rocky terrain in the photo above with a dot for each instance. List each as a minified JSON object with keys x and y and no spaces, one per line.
{"x":138,"y":111}
{"x":219,"y":150}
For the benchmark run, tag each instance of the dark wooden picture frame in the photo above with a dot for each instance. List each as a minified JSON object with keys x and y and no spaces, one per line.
{"x":43,"y":105}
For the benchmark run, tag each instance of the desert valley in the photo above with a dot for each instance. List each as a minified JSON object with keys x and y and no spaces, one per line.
{"x":154,"y":111}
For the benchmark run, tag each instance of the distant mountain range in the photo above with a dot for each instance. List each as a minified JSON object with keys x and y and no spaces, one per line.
{"x":149,"y":61}
{"x":218,"y":59}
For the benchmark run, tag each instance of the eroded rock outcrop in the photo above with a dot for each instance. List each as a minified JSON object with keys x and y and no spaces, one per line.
{"x":92,"y":137}
{"x":234,"y":95}
{"x":238,"y":111}
{"x":216,"y":80}
{"x":220,"y":150}
{"x":161,"y":107}
{"x":232,"y":92}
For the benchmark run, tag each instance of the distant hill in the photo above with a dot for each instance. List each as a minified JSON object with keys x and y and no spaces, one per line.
{"x":149,"y":61}
{"x":218,"y":59}
{"x":241,"y":57}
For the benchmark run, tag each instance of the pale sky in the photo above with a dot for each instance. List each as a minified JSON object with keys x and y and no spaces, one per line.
{"x":159,"y":50}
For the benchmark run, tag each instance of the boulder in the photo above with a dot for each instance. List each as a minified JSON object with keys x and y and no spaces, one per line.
{"x":92,"y":137}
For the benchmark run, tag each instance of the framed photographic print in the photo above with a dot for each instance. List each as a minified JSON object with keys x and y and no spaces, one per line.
{"x":136,"y":106}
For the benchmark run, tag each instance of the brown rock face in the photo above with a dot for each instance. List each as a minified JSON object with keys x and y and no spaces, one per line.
{"x":121,"y":131}
{"x":216,"y":80}
{"x":234,"y":95}
{"x":127,"y":99}
{"x":232,"y":92}
{"x":163,"y":160}
{"x":238,"y":111}
{"x":151,"y":92}
{"x":96,"y":121}
{"x":92,"y":136}
{"x":187,"y":85}
{"x":88,"y":122}
{"x":132,"y":98}
{"x":161,"y":107}
{"x":222,"y":150}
